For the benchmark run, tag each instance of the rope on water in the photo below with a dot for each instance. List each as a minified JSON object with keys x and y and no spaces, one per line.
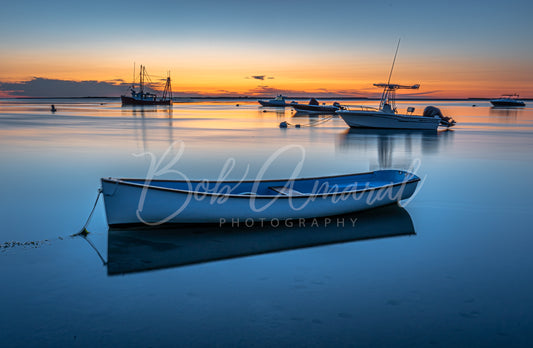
{"x":84,"y":236}
{"x":286,"y":124}
{"x":83,"y":231}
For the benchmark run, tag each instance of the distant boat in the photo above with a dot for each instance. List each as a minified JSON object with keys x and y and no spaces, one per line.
{"x":279,"y":101}
{"x":138,"y":201}
{"x":387,"y":116}
{"x":508,"y":100}
{"x":315,"y":107}
{"x":141,"y":97}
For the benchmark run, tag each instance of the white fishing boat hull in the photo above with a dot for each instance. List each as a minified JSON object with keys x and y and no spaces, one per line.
{"x":379,"y":119}
{"x":130,"y":201}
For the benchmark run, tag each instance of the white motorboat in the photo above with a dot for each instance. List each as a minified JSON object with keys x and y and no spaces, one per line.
{"x":279,"y":101}
{"x":387,"y":116}
{"x":508,"y":100}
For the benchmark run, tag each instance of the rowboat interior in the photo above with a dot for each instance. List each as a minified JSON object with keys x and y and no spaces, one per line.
{"x":296,"y":187}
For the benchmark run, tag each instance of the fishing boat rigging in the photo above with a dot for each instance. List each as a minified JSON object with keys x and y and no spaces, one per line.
{"x":143,"y":96}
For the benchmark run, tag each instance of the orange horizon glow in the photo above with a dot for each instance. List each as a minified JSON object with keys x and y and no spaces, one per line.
{"x":230,"y":73}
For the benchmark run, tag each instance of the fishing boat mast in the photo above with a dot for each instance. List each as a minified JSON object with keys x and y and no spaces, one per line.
{"x":141,"y":79}
{"x":167,"y":92}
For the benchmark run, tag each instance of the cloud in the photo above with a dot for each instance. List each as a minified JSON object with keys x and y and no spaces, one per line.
{"x":50,"y":88}
{"x":266,"y":91}
{"x":260,"y":77}
{"x":43,"y":87}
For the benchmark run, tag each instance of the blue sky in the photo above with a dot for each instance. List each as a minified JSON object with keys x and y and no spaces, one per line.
{"x":489,"y":37}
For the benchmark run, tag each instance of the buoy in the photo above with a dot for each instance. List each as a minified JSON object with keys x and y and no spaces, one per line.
{"x":283,"y":124}
{"x":297,"y":126}
{"x":237,"y":105}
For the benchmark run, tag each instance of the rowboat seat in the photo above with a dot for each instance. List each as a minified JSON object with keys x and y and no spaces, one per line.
{"x":286,"y":191}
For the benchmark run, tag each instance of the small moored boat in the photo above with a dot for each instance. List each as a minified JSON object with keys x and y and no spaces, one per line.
{"x":279,"y":101}
{"x":154,"y":202}
{"x":315,"y":107}
{"x":508,"y":100}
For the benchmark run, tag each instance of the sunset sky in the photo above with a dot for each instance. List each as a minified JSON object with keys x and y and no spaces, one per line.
{"x":454,"y":49}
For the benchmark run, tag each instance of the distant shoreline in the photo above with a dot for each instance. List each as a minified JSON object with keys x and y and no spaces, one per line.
{"x":258,"y":98}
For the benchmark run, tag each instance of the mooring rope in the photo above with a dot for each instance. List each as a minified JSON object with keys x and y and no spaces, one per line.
{"x":83,"y":231}
{"x":84,"y":236}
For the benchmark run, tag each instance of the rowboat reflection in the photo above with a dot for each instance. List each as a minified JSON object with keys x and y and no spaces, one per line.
{"x":143,"y":249}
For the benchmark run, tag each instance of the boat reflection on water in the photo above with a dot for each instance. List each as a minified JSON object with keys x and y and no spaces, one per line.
{"x":404,"y":144}
{"x":143,"y":249}
{"x":279,"y":112}
{"x":151,"y":118}
{"x":505,"y":113}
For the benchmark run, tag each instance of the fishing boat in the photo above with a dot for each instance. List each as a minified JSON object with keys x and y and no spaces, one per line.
{"x":315,"y":107}
{"x":154,"y":202}
{"x":279,"y":101}
{"x":140,"y":248}
{"x":508,"y":100}
{"x":141,"y":96}
{"x":387,"y":116}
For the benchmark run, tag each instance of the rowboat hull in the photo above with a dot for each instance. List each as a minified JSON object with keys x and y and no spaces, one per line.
{"x":134,"y":201}
{"x":132,"y":101}
{"x":379,"y":119}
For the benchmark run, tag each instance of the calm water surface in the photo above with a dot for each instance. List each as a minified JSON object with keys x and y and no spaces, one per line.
{"x":451,"y":268}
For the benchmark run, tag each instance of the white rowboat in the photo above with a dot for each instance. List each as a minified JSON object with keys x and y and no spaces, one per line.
{"x":154,"y":202}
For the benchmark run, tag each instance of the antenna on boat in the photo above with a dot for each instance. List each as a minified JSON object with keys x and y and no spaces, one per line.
{"x":133,"y":83}
{"x":394,"y":61}
{"x":388,"y":95}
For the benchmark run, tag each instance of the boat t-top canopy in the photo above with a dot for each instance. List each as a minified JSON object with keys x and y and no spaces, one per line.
{"x":511,"y":96}
{"x":388,"y":97}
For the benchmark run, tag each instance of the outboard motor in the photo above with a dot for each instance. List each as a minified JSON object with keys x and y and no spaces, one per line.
{"x":432,"y":111}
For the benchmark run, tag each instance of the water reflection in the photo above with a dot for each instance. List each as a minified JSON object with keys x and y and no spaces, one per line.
{"x":395,"y":148}
{"x":278,"y":111}
{"x":142,"y":249}
{"x":142,"y":115}
{"x":508,"y":113}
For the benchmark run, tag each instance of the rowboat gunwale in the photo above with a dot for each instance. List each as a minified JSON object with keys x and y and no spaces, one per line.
{"x":302,"y":195}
